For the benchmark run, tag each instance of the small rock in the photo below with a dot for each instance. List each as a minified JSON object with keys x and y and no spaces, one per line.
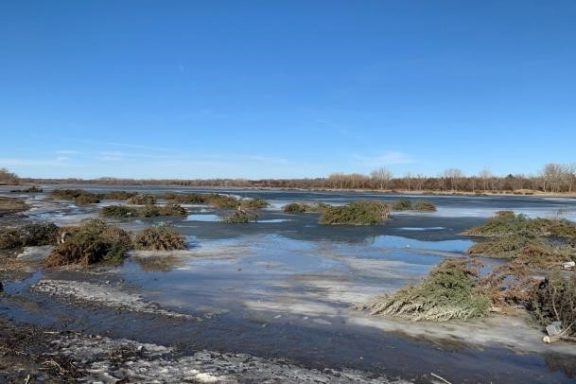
{"x":569,"y":265}
{"x":554,"y":328}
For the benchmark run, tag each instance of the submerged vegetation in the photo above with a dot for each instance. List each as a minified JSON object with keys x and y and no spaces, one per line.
{"x":92,"y":242}
{"x":142,"y":199}
{"x":356,"y":213}
{"x":159,"y":238}
{"x":27,"y":235}
{"x":450,"y":291}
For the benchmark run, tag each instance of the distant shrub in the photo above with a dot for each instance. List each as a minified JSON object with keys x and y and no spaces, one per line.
{"x":189,"y":198}
{"x":142,"y":199}
{"x":318,"y":207}
{"x":255,"y":203}
{"x":402,"y":205}
{"x":32,"y":189}
{"x":86,"y":199}
{"x":27,"y":235}
{"x":118,"y":195}
{"x":119,"y":211}
{"x":92,"y":242}
{"x":356,"y":213}
{"x":223,"y":201}
{"x":148,"y":211}
{"x":295,"y":208}
{"x":123,"y":211}
{"x":450,"y":291}
{"x":424,"y":206}
{"x":214,"y":199}
{"x":240,"y":217}
{"x":408,"y":205}
{"x":79,"y":196}
{"x":172,"y":209}
{"x":160,"y":238}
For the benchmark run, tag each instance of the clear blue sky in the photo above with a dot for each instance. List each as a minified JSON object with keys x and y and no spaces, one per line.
{"x":251,"y":89}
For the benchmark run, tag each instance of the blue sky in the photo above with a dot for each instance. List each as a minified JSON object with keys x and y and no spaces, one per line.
{"x":252,"y":89}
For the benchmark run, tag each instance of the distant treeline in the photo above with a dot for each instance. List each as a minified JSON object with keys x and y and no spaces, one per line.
{"x":553,"y":178}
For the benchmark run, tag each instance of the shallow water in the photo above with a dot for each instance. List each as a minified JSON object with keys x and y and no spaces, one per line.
{"x":284,"y":286}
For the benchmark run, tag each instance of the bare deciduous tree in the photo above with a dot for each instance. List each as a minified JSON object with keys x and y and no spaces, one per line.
{"x":382,"y":177}
{"x":486,"y":177}
{"x":454,"y":175}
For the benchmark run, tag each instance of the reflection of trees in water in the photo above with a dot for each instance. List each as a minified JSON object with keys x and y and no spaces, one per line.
{"x":561,"y":363}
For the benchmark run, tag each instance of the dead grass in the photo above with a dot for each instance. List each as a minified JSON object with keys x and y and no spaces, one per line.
{"x":27,"y":235}
{"x":506,"y":223}
{"x":123,"y":211}
{"x":256,"y":203}
{"x":555,"y":300}
{"x":356,"y":213}
{"x":10,"y":205}
{"x":92,"y":242}
{"x":142,"y":199}
{"x":408,"y":205}
{"x":450,"y":291}
{"x":159,"y":238}
{"x":240,"y":217}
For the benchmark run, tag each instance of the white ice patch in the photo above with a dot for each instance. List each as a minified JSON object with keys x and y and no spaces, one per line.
{"x":104,"y":295}
{"x":418,"y":229}
{"x":203,"y":218}
{"x":460,"y":212}
{"x":273,"y":221}
{"x":99,"y":360}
